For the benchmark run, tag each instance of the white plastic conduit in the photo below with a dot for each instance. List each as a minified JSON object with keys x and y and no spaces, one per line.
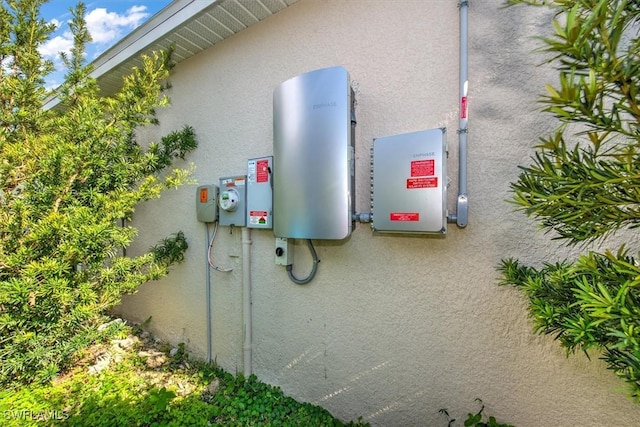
{"x":247,"y":350}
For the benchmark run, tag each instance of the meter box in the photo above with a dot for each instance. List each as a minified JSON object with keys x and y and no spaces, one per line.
{"x":232,"y":201}
{"x":259,"y":193}
{"x":409,"y":183}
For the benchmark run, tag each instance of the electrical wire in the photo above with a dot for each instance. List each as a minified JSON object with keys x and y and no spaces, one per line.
{"x":314,"y":269}
{"x":210,"y":250}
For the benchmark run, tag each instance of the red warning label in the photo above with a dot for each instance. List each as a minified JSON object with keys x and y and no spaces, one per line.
{"x":431,"y":182}
{"x":404,"y":216}
{"x":204,"y":195}
{"x":262,"y":171}
{"x":257,"y":217}
{"x":463,"y":107}
{"x":423,"y":167}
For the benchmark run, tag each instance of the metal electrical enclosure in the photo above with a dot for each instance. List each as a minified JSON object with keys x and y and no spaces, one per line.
{"x":409,"y":188}
{"x":232,"y":201}
{"x":284,"y":251}
{"x":207,"y":203}
{"x":313,"y":155}
{"x":259,"y":193}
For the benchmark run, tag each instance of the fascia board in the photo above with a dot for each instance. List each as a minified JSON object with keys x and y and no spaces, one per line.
{"x":163,"y":23}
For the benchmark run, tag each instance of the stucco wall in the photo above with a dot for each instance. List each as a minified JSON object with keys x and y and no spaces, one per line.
{"x":392,"y":328}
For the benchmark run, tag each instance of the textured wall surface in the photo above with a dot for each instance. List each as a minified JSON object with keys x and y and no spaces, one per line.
{"x":392,"y":328}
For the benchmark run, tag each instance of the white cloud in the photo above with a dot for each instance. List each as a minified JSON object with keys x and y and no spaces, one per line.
{"x":52,"y":48}
{"x":52,"y":84}
{"x":106,"y":27}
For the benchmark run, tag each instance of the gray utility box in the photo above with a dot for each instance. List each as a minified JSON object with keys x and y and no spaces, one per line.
{"x":259,"y":193}
{"x":207,"y":203}
{"x":313,"y":156}
{"x":409,"y":183}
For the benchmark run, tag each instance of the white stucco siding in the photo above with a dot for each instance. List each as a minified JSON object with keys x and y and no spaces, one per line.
{"x":392,"y":328}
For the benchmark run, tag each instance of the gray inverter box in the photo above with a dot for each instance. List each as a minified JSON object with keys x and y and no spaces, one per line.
{"x":409,"y":183}
{"x":313,"y":156}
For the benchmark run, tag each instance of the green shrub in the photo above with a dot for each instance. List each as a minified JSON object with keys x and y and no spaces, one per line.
{"x":593,"y":303}
{"x":70,"y":178}
{"x":476,"y":419}
{"x":583,"y":184}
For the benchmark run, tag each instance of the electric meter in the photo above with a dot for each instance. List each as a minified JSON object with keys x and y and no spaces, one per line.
{"x":232,"y":201}
{"x":228,"y":200}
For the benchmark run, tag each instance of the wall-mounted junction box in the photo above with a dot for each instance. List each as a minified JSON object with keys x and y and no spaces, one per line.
{"x":313,"y":156}
{"x":232,"y":200}
{"x":409,"y":183}
{"x":259,"y":193}
{"x":284,"y":251}
{"x":207,"y":203}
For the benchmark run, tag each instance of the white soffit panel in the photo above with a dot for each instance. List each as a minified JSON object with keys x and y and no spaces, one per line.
{"x":190,"y":26}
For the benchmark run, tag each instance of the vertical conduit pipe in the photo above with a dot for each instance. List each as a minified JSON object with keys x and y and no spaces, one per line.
{"x":208,"y":294}
{"x":246,"y":302}
{"x":462,"y":205}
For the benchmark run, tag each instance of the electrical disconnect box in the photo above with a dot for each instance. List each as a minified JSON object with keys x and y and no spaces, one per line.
{"x":259,"y":193}
{"x":232,"y":201}
{"x":313,"y":155}
{"x":206,"y":203}
{"x":284,"y":251}
{"x":409,"y":183}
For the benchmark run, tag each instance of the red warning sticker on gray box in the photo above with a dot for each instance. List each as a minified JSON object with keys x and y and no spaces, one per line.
{"x":258,"y":217}
{"x":262,"y":170}
{"x":423,"y":167}
{"x":404,"y":216}
{"x":431,"y":182}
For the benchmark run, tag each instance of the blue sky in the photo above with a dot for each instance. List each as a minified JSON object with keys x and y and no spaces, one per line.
{"x":107,"y":20}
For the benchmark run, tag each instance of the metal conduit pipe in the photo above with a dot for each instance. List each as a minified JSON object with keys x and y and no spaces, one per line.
{"x":247,"y":346}
{"x":461,"y":217}
{"x":208,"y":295}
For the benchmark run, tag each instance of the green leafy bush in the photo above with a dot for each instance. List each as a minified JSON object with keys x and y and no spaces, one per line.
{"x":583,"y":184}
{"x":69,"y":180}
{"x":250,"y":402}
{"x":593,"y":303}
{"x":476,"y":419}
